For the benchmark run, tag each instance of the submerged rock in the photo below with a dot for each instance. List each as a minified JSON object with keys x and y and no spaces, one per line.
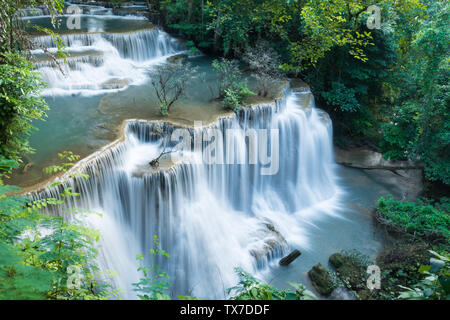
{"x":115,"y":84}
{"x":270,"y":244}
{"x":177,"y":58}
{"x":320,"y":279}
{"x":352,"y":272}
{"x":337,"y":260}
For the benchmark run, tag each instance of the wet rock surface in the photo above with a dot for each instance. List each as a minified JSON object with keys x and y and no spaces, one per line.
{"x":320,"y":279}
{"x":177,"y":58}
{"x":115,"y":84}
{"x":271,"y":243}
{"x":405,"y":177}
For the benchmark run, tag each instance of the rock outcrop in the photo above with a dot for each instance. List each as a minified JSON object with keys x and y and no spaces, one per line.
{"x":320,"y":279}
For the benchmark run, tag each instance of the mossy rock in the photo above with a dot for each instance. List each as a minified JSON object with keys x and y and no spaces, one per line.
{"x":320,"y":279}
{"x":352,"y":273}
{"x":337,"y":260}
{"x":177,"y":58}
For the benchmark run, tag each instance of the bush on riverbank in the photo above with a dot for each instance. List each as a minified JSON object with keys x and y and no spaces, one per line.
{"x":418,"y":219}
{"x":410,"y":269}
{"x":250,"y":288}
{"x":44,"y":256}
{"x":407,"y":265}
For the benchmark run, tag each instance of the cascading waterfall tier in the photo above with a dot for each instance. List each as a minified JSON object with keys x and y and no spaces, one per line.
{"x":101,"y":62}
{"x":211,"y":218}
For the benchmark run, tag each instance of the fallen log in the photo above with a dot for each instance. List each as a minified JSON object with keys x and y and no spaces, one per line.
{"x":382,"y":167}
{"x":290,"y":258}
{"x":393,"y":169}
{"x":27,"y":167}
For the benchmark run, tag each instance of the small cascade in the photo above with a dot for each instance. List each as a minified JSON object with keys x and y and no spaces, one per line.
{"x":100,"y":62}
{"x":138,"y":46}
{"x":72,"y":63}
{"x":210,"y":216}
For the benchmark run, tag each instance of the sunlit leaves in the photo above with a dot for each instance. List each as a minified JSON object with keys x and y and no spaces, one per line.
{"x":250,"y":288}
{"x":19,"y":104}
{"x":155,"y":283}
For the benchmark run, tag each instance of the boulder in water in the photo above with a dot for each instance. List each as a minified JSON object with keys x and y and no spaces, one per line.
{"x":320,"y":279}
{"x":115,"y":84}
{"x":337,"y":260}
{"x":272,"y":244}
{"x":177,"y":58}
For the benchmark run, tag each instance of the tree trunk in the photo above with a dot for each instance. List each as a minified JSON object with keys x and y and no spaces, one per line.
{"x":216,"y":34}
{"x":189,"y":10}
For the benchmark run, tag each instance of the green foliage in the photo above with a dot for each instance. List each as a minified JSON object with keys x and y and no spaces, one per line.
{"x":13,"y":37}
{"x":418,"y":127}
{"x":19,"y":281}
{"x":351,"y":273}
{"x":352,"y":90}
{"x":68,"y":159}
{"x":249,"y":288}
{"x":155,"y":283}
{"x":436,"y":283}
{"x":231,"y":100}
{"x":228,"y":26}
{"x":341,"y":96}
{"x":192,"y":48}
{"x":232,"y":89}
{"x":419,"y":218}
{"x":46,"y":256}
{"x":235,"y":96}
{"x":228,"y":74}
{"x":20,"y":104}
{"x":339,"y":24}
{"x":20,"y":85}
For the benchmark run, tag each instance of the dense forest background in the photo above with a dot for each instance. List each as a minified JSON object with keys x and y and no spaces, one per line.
{"x":386,"y":88}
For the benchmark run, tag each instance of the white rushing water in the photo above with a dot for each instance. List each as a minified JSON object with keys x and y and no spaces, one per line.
{"x":103,"y":62}
{"x":211,"y":218}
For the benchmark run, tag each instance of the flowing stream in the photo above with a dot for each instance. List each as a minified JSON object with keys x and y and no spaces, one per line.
{"x":211,"y":218}
{"x":102,"y":62}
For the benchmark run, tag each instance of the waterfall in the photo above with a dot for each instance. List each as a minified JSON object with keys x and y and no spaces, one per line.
{"x":210,"y":217}
{"x":102,"y":62}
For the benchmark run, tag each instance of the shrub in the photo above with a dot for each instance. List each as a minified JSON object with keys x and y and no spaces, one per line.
{"x":235,"y":96}
{"x":20,"y":104}
{"x":264,"y":62}
{"x":249,"y":288}
{"x":435,"y":285}
{"x":419,"y":219}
